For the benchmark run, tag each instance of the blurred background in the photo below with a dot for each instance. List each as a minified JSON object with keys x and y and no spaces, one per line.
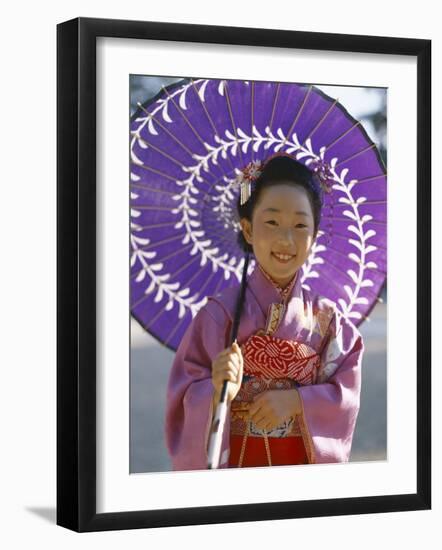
{"x":150,"y":362}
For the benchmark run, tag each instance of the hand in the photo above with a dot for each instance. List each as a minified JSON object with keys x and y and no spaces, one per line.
{"x":273,"y":407}
{"x":228,"y":365}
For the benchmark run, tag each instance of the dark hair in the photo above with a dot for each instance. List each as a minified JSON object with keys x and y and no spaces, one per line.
{"x":282,"y":169}
{"x":279,"y":169}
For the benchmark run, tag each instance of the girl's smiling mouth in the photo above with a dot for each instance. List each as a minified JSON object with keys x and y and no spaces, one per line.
{"x":283,"y":258}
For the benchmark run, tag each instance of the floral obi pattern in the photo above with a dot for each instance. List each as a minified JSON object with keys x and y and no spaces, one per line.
{"x":268,"y":357}
{"x":272,"y":363}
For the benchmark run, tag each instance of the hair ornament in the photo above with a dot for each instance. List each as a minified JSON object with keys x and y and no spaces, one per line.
{"x":323,"y":173}
{"x":246,"y":177}
{"x":251,"y":172}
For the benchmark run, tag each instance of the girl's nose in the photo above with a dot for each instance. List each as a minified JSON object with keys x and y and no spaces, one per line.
{"x":286,"y":235}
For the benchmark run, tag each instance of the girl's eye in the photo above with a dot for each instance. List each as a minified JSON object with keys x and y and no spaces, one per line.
{"x":274,"y":223}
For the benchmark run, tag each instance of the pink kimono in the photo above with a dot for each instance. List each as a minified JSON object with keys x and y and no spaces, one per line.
{"x":328,"y":378}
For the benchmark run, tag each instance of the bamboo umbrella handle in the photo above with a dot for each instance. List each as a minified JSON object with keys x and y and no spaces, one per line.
{"x":216,"y":435}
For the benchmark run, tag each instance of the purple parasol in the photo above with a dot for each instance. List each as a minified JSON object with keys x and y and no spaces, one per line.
{"x":187,"y":147}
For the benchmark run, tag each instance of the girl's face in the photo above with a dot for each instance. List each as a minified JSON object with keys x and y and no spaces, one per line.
{"x":282,"y":231}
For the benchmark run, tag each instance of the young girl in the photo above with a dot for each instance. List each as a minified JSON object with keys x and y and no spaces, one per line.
{"x":294,"y":372}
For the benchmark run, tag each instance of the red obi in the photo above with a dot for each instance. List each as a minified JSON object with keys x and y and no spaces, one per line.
{"x":269,"y":357}
{"x":270,"y":363}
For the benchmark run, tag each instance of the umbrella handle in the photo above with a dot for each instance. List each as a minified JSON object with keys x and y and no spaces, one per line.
{"x":216,"y":434}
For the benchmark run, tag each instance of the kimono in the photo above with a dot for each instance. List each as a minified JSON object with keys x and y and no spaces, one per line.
{"x":287,"y":341}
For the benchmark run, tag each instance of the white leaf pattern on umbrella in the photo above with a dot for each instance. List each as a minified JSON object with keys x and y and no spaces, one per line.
{"x":189,"y":221}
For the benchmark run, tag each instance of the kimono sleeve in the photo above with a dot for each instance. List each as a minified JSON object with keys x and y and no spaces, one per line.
{"x":190,"y":390}
{"x":331,"y":406}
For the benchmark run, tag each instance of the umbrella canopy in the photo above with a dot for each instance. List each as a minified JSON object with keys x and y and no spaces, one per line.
{"x":188,"y":145}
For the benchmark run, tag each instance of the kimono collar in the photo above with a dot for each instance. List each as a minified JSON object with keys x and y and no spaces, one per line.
{"x":266,"y":291}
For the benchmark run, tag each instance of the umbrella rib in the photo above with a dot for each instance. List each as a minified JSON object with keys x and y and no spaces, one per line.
{"x":346,"y":257}
{"x":218,"y":237}
{"x":212,"y":185}
{"x":211,"y":122}
{"x":200,"y":291}
{"x":140,"y":300}
{"x":353,"y":203}
{"x":168,"y":224}
{"x":165,"y":208}
{"x":151,"y":207}
{"x":252,"y":115}
{"x":200,"y":139}
{"x":149,"y":168}
{"x":345,"y":237}
{"x":363,"y":180}
{"x":320,"y":122}
{"x":155,"y":171}
{"x":221,"y":239}
{"x":233,"y":121}
{"x":164,"y":241}
{"x":170,"y":157}
{"x":172,"y":277}
{"x":210,"y":225}
{"x":334,"y":284}
{"x":215,"y":225}
{"x":175,"y":253}
{"x":348,"y":220}
{"x":185,"y":266}
{"x":169,"y":133}
{"x":154,"y":226}
{"x":180,"y":143}
{"x":301,"y":108}
{"x":152,"y":189}
{"x":177,"y":326}
{"x":204,"y":108}
{"x":275,"y":99}
{"x":347,"y":275}
{"x":188,"y":122}
{"x":152,"y":321}
{"x":372,"y":146}
{"x":330,"y":145}
{"x":171,"y":335}
{"x":339,"y":288}
{"x":207,"y":191}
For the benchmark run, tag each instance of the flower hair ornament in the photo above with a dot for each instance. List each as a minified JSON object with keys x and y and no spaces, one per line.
{"x":251,"y":172}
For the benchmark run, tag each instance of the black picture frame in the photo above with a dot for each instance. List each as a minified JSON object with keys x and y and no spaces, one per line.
{"x":76,"y":273}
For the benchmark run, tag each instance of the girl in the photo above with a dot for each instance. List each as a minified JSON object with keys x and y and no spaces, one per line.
{"x":294,"y":372}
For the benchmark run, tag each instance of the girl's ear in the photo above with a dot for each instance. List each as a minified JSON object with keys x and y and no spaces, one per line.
{"x":246,"y":227}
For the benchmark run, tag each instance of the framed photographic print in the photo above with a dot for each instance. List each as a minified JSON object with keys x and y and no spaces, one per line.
{"x":224,"y":213}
